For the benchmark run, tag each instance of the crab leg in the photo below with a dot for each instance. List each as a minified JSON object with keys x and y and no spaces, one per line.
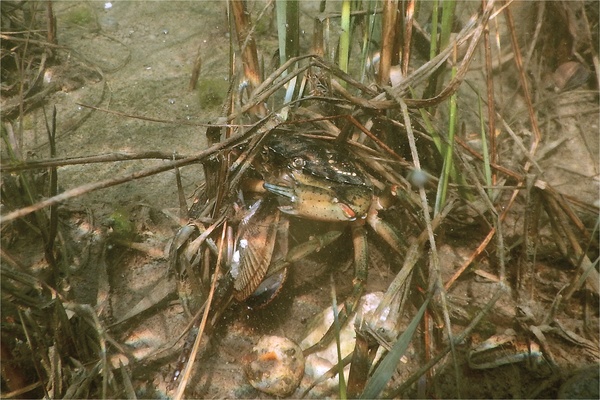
{"x":365,"y":343}
{"x":303,"y":250}
{"x":359,"y":242}
{"x":382,"y":228}
{"x":361,"y":264}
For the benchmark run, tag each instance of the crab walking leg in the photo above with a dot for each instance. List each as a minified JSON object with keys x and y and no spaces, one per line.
{"x":361,"y":264}
{"x":302,"y":250}
{"x":382,"y":228}
{"x":366,"y":345}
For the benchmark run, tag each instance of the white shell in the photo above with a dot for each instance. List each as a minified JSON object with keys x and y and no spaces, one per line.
{"x":321,"y":361}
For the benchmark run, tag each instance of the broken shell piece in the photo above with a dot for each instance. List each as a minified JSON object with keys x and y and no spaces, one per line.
{"x":570,"y":75}
{"x":504,"y":349}
{"x":275,"y":366}
{"x":319,"y":362}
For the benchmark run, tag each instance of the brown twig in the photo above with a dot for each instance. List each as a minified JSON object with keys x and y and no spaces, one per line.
{"x":388,"y":34}
{"x":408,"y":25}
{"x":490,"y":98}
{"x":523,"y":79}
{"x":100,"y":158}
{"x":248,"y":47}
{"x":188,"y":368}
{"x":150,"y":119}
{"x":90,"y":187}
{"x":51,"y":34}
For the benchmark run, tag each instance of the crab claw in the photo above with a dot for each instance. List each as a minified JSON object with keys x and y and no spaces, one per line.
{"x":333,"y":202}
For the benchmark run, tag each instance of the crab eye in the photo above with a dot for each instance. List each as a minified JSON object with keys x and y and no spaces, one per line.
{"x":298,"y":163}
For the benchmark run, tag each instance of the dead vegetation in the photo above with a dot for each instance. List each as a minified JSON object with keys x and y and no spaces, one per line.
{"x":489,"y":132}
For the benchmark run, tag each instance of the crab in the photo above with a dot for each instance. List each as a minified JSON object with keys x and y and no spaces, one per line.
{"x":292,"y":176}
{"x":310,"y":178}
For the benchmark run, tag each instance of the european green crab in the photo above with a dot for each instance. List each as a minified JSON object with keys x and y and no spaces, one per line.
{"x":288,"y":176}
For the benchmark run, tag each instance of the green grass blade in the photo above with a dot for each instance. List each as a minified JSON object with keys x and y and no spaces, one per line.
{"x":435,"y":136}
{"x":434,"y":31}
{"x":293,"y":29}
{"x":448,"y":7}
{"x":281,"y":12}
{"x":383,"y":373}
{"x":448,"y":169}
{"x":369,"y":23}
{"x":288,"y":29}
{"x":484,"y":149}
{"x":337,"y":329}
{"x":447,"y":19}
{"x":344,"y":52}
